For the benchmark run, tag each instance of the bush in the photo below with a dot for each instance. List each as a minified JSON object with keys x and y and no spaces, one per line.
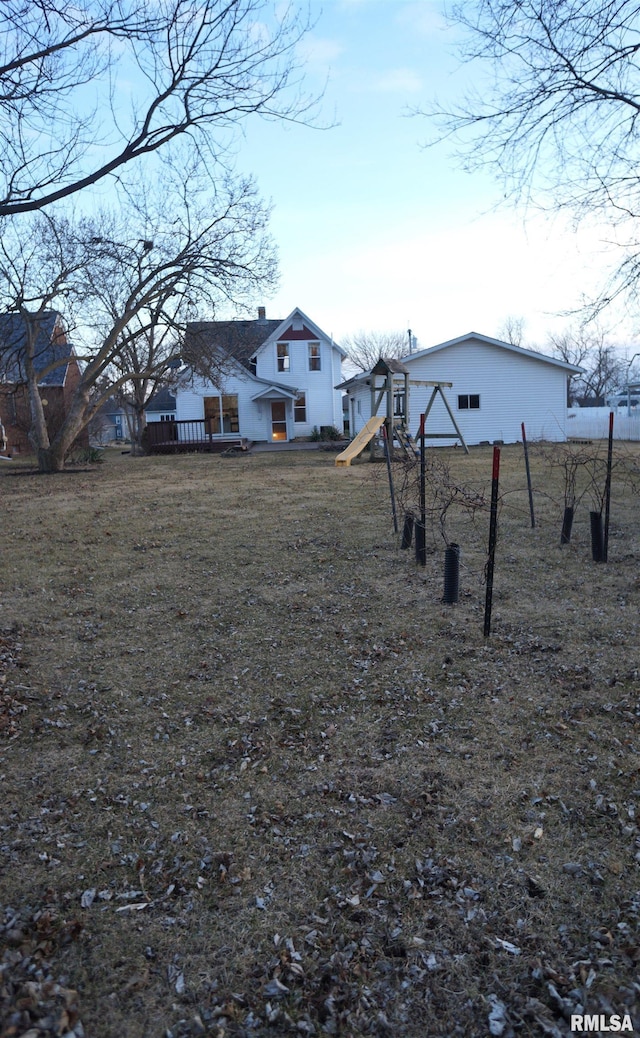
{"x":90,"y":455}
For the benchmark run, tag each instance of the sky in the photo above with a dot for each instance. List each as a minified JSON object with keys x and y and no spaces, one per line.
{"x":377,"y":232}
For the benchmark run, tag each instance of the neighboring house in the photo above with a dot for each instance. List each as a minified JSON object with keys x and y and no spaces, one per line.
{"x":276,"y":379}
{"x":110,"y":424}
{"x":495,"y":388}
{"x":114,"y":420}
{"x":54,"y":357}
{"x":161,"y":407}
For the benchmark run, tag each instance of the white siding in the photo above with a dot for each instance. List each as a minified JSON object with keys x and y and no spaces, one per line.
{"x":513,"y":388}
{"x":324,"y":403}
{"x":254,"y":416}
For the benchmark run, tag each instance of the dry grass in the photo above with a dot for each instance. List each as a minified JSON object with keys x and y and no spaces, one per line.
{"x":258,"y":779}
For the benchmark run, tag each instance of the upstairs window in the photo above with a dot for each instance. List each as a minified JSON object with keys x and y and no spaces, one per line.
{"x":282,"y":354}
{"x":314,"y":356}
{"x":253,"y":365}
{"x":469,"y":402}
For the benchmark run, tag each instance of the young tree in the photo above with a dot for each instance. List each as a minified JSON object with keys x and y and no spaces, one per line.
{"x":366,"y":348}
{"x":132,"y":280}
{"x":556,"y":106}
{"x":190,"y":72}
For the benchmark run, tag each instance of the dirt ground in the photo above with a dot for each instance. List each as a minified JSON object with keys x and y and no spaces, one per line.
{"x":258,"y":779}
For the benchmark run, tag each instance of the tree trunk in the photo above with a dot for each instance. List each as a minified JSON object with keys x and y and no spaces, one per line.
{"x":51,"y":457}
{"x":49,"y":460}
{"x":138,"y":438}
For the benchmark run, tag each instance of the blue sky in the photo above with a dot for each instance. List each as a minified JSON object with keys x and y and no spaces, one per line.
{"x":377,"y":232}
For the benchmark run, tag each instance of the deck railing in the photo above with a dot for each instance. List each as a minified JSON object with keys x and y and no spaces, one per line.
{"x":194,"y":434}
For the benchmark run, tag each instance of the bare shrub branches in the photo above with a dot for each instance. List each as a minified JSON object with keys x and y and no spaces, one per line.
{"x":444,"y":494}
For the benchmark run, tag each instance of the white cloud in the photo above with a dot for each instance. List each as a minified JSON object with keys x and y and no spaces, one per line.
{"x":423,"y":17}
{"x":319,"y":51}
{"x":403,"y":80}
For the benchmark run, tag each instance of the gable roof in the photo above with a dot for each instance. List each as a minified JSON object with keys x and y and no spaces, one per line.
{"x":287,"y":330}
{"x":488,"y":341}
{"x":241,"y":340}
{"x":237,"y":339}
{"x":162,"y":400}
{"x":47,"y":350}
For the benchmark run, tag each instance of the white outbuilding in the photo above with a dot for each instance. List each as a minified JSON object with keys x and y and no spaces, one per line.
{"x":495,"y":387}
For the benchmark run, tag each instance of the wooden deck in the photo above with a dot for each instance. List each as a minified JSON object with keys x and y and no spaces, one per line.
{"x":191,"y":437}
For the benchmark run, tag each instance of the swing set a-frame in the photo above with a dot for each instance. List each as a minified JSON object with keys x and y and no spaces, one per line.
{"x":390,"y":386}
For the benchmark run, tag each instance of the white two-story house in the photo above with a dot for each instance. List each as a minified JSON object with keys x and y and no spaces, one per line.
{"x":270,"y":379}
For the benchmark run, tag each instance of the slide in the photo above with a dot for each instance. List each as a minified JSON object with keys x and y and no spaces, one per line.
{"x":358,"y":444}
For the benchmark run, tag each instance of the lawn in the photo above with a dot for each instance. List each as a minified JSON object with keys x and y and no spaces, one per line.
{"x":259,"y":780}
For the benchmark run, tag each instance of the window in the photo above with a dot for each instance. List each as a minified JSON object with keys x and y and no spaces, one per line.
{"x":221,"y":414}
{"x":469,"y":402}
{"x":230,"y":419}
{"x":399,"y":404}
{"x":314,"y":356}
{"x":253,"y":365}
{"x":282,"y":354}
{"x":300,"y":408}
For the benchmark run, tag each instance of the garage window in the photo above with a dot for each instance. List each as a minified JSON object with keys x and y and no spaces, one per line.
{"x":468,"y":401}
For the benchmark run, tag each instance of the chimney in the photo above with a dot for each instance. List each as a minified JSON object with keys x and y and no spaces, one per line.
{"x":262,"y":313}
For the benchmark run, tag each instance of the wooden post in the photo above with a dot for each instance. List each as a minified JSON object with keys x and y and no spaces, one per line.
{"x":387,"y":453}
{"x":526,"y":463}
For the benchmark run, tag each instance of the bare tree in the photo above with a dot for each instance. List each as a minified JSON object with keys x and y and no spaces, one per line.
{"x":512,"y":330}
{"x":366,"y":348}
{"x":132,"y":280}
{"x":188,"y":71}
{"x":557,"y":114}
{"x":588,"y":348}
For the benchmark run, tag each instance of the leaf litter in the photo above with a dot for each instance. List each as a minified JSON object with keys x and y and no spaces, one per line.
{"x":259,"y":779}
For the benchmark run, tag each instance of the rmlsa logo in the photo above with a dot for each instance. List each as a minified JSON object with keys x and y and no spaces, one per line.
{"x":601,"y":1023}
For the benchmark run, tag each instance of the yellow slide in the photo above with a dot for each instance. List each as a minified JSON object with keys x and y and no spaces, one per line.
{"x":358,"y":444}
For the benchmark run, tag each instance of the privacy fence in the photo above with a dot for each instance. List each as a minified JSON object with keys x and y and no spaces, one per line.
{"x":592,"y":423}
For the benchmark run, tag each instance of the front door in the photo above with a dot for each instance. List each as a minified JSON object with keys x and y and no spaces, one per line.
{"x":278,"y":420}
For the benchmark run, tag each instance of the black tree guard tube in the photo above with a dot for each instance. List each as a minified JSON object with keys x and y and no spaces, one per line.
{"x":597,"y":541}
{"x":567,"y":523}
{"x":421,"y":544}
{"x":493,"y":534}
{"x":407,"y":533}
{"x":451,"y":574}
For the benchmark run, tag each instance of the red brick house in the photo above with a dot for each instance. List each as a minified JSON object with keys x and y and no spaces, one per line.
{"x":54,"y":357}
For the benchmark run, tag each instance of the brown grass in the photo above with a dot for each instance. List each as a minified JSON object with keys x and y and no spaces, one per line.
{"x":258,"y":779}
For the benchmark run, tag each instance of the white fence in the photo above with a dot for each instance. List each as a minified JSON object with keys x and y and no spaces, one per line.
{"x":592,"y":423}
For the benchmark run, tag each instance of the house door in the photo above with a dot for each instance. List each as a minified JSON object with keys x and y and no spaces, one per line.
{"x":278,"y":420}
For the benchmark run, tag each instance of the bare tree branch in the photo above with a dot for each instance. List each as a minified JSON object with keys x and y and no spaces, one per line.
{"x":133,"y":281}
{"x":366,"y":348}
{"x":556,"y":109}
{"x":192,"y":72}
